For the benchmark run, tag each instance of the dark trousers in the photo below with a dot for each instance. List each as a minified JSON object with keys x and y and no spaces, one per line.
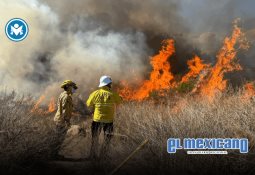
{"x":96,"y":128}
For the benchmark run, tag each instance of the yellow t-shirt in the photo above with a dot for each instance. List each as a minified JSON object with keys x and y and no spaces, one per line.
{"x":103,"y":101}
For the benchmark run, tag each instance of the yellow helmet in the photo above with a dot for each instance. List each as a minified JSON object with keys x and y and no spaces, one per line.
{"x":69,"y":83}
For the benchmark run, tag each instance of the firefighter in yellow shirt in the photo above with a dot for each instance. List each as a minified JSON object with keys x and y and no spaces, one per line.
{"x":63,"y":114}
{"x":103,"y":101}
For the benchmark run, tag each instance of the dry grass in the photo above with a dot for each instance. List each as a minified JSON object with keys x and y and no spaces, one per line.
{"x":229,"y":116}
{"x":27,"y":136}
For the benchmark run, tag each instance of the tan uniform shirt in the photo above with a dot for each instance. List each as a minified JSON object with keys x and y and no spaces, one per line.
{"x":65,"y":108}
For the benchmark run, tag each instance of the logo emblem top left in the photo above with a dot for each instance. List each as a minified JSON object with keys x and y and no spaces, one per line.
{"x":16,"y":29}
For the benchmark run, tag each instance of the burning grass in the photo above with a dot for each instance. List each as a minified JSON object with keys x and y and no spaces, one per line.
{"x":199,"y":106}
{"x":27,"y":137}
{"x":160,"y":77}
{"x":209,"y":78}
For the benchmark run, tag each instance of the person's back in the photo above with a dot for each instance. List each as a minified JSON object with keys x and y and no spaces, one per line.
{"x":65,"y":106}
{"x":103,"y":100}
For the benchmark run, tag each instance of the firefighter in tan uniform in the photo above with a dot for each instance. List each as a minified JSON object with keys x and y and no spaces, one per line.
{"x":103,"y":101}
{"x":64,"y":113}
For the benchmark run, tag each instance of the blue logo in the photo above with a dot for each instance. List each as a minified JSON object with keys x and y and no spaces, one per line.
{"x":16,"y":29}
{"x":205,"y":145}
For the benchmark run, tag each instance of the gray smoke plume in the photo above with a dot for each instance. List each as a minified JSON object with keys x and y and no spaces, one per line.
{"x":84,"y":39}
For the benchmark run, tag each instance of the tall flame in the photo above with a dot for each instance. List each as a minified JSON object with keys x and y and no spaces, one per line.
{"x":225,"y":63}
{"x":160,"y":77}
{"x":196,"y":66}
{"x":210,"y":79}
{"x":51,"y":106}
{"x":38,"y":103}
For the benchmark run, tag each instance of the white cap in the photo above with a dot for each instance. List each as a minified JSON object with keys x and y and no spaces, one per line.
{"x":105,"y":80}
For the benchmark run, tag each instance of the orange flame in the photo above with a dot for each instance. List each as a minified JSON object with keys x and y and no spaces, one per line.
{"x":160,"y":77}
{"x":51,"y":106}
{"x":249,"y":90}
{"x":38,"y":103}
{"x":225,"y":63}
{"x":196,"y":65}
{"x":210,"y":79}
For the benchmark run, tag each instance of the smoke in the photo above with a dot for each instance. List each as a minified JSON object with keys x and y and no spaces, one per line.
{"x":213,"y":21}
{"x":147,"y":16}
{"x":20,"y":60}
{"x":53,"y":52}
{"x":84,"y":39}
